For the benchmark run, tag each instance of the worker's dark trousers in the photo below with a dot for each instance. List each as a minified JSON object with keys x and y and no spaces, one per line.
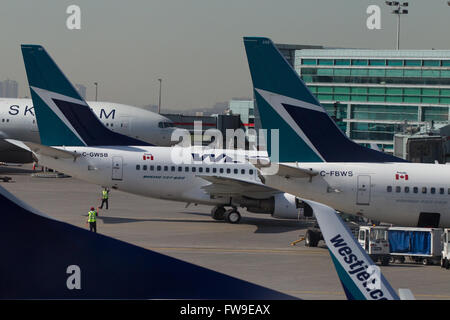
{"x":93,"y":226}
{"x":104,"y":201}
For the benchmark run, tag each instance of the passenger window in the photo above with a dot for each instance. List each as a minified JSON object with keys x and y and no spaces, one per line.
{"x":152,"y":168}
{"x":221,"y":171}
{"x":158,"y":168}
{"x":180,"y":169}
{"x":242,"y":171}
{"x":138,"y":167}
{"x":406,"y":189}
{"x":186,"y":169}
{"x":172,"y":168}
{"x":166,"y":168}
{"x":398,"y":189}
{"x":441,"y":191}
{"x":228,"y":170}
{"x":389,"y":189}
{"x":207,"y":170}
{"x":415,"y":190}
{"x":424,"y":189}
{"x":235,"y":171}
{"x":432,"y":190}
{"x":214,"y":170}
{"x":194,"y":169}
{"x":144,"y":167}
{"x":250,"y":171}
{"x":200,"y":169}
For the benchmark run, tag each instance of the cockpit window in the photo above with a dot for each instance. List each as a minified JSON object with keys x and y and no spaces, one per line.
{"x":165,"y":125}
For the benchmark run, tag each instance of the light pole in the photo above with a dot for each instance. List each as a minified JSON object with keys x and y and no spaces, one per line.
{"x":398,"y":11}
{"x":96,"y":91}
{"x":159,"y":105}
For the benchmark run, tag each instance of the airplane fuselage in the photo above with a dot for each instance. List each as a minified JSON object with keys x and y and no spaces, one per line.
{"x":408,"y":194}
{"x":156,"y":172}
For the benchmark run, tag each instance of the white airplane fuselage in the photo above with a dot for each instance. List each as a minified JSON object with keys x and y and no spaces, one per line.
{"x":396,"y":193}
{"x":153,"y":172}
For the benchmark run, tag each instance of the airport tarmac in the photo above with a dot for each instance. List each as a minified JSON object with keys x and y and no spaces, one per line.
{"x":257,"y":250}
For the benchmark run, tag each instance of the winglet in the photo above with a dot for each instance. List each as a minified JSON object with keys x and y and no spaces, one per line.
{"x":352,"y":263}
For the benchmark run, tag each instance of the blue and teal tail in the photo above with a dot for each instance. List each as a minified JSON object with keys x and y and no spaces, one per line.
{"x":63,"y":117}
{"x":284,"y":102}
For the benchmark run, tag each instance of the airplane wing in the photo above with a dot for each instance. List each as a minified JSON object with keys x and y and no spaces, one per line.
{"x":293,"y":172}
{"x":44,"y":150}
{"x":230,"y":186}
{"x":360,"y":277}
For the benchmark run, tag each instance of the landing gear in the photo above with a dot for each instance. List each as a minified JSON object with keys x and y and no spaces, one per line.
{"x":311,"y":238}
{"x":218,"y":213}
{"x":232,"y":216}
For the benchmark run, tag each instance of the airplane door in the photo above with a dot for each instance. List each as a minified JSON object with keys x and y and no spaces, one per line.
{"x":363,"y":193}
{"x":117,"y":168}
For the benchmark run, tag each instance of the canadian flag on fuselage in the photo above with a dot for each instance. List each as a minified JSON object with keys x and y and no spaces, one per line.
{"x":147,"y":156}
{"x":401,"y":176}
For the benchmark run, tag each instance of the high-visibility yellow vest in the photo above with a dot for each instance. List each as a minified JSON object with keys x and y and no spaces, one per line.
{"x":92,"y":216}
{"x":105,"y":194}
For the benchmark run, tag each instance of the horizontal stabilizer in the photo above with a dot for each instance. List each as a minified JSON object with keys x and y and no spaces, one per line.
{"x":44,"y":150}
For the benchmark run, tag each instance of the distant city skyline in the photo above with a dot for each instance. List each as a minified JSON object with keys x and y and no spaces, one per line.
{"x":195,"y":46}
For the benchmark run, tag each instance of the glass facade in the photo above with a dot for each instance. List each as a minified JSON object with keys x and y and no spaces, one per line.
{"x":374,"y":94}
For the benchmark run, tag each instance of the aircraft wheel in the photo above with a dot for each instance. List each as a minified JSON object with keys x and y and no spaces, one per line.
{"x":218,"y":213}
{"x":310,"y":239}
{"x":232,"y":216}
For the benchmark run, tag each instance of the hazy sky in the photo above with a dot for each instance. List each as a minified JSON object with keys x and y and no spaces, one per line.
{"x":195,"y":46}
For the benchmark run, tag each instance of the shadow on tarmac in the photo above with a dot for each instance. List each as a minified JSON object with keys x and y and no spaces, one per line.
{"x":263,"y":225}
{"x":15,"y":170}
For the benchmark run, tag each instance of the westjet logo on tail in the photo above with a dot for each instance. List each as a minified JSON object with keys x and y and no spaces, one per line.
{"x":358,"y":270}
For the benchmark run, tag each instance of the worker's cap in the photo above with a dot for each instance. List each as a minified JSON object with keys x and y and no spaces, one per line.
{"x":92,"y":208}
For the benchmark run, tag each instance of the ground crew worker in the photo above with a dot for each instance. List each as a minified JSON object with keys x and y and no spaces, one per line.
{"x":105,"y":196}
{"x":92,"y":220}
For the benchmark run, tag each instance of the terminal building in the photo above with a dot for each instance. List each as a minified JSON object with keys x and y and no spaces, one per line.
{"x":373,"y":94}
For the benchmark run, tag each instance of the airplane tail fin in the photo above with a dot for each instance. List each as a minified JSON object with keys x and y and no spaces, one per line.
{"x":285,"y":103}
{"x":359,"y":276}
{"x":63,"y":117}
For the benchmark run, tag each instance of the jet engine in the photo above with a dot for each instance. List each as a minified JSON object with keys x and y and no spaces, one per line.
{"x":281,"y":206}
